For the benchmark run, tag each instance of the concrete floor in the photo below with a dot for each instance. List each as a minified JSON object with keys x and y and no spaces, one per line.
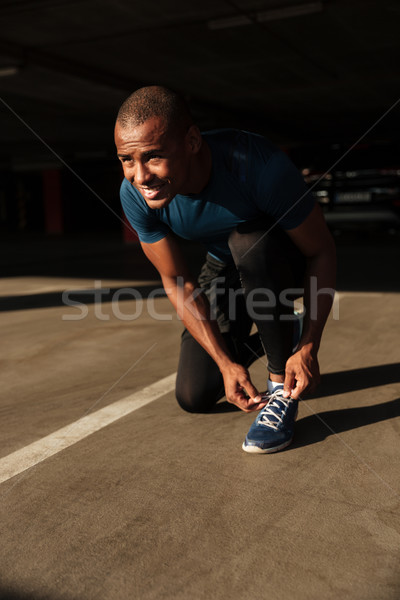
{"x":163,"y":504}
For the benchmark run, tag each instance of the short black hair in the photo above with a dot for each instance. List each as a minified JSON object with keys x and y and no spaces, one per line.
{"x":155,"y":101}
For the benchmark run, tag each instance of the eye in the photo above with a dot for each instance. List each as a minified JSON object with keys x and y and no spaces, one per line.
{"x":126,"y":159}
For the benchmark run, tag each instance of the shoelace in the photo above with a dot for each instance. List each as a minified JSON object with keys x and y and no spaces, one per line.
{"x":274,"y":409}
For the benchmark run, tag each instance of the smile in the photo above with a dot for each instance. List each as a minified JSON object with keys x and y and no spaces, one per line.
{"x":151,"y":192}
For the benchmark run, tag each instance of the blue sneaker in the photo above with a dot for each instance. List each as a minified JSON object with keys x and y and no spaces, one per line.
{"x":273,"y":428}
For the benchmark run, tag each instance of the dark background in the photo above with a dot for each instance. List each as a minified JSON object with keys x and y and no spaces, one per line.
{"x":315,"y":77}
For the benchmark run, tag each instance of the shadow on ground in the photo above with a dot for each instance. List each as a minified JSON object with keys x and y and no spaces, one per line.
{"x":318,"y":426}
{"x":343,"y":382}
{"x":77,"y":297}
{"x":11,"y":594}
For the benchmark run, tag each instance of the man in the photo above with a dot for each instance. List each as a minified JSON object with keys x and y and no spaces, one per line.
{"x":245,"y":201}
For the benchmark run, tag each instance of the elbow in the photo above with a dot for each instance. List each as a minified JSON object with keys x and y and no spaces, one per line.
{"x":178,"y":285}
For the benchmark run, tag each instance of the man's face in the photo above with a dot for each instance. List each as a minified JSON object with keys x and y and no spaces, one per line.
{"x":155,"y":162}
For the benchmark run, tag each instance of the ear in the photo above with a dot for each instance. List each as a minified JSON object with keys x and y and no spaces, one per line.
{"x":194,"y":139}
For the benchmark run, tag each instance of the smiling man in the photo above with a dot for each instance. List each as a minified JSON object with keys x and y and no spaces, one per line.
{"x":267,"y":243}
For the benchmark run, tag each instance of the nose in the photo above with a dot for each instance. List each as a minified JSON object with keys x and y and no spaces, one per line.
{"x":140,"y":174}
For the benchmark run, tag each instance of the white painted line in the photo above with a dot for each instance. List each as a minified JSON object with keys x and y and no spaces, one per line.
{"x":341,"y":295}
{"x":31,"y":455}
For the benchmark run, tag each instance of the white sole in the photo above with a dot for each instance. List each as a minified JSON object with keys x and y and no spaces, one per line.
{"x":257,"y":450}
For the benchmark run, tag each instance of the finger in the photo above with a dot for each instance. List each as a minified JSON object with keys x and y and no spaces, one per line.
{"x":248,"y":404}
{"x":254,"y":408}
{"x":295,"y":393}
{"x":252,"y":405}
{"x":311,"y":387}
{"x":251,"y":391}
{"x":259,"y":406}
{"x":300,"y":388}
{"x":242,"y":404}
{"x":238,"y":398}
{"x":289,"y":384}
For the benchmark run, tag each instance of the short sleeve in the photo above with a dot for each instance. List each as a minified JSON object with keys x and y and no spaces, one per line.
{"x":282,"y":192}
{"x":143,"y":219}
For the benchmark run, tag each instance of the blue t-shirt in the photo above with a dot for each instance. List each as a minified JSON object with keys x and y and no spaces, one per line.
{"x":250,"y":178}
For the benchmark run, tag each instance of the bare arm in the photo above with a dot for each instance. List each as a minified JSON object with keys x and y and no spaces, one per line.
{"x":314,"y":240}
{"x":193,"y":308}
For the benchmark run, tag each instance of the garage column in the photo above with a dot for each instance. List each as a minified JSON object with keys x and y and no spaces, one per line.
{"x":52,"y":201}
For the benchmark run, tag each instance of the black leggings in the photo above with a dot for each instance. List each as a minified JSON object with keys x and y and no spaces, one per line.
{"x":267,"y":275}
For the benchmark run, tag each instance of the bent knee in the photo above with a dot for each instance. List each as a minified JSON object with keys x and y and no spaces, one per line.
{"x":243,"y":245}
{"x":195,"y":402}
{"x":192,"y":405}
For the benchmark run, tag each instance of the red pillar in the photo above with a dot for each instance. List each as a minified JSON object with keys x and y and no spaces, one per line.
{"x":52,"y":201}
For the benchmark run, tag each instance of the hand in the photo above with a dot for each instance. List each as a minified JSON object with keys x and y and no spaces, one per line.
{"x":301,"y":373}
{"x":239,"y":390}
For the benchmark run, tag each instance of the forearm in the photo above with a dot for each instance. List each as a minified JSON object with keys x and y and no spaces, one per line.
{"x":193,"y":308}
{"x":319,"y":293}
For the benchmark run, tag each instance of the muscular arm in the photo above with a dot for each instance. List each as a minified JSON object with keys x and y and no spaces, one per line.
{"x":193,"y":308}
{"x":314,"y":240}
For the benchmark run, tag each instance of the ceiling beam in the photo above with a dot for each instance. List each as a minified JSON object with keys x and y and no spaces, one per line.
{"x":24,"y":56}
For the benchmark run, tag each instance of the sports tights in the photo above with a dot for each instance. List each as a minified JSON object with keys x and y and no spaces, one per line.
{"x":259,"y":287}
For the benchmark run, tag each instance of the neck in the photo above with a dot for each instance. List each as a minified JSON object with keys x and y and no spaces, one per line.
{"x":201,"y":170}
